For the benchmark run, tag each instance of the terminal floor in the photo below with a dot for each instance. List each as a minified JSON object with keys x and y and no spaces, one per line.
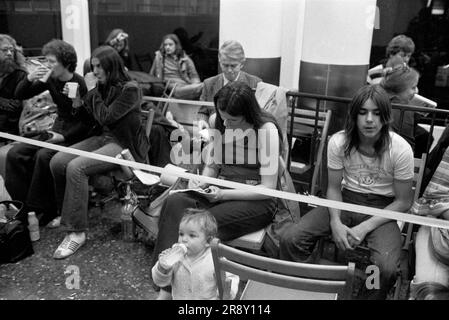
{"x":109,"y":268}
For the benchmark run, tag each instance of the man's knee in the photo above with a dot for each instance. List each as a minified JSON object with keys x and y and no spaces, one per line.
{"x":73,"y":168}
{"x":57,"y":166}
{"x":43,"y":156}
{"x":14,"y":154}
{"x":295,"y":243}
{"x":388,"y":265}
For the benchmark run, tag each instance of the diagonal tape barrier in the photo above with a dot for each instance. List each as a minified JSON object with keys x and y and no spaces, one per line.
{"x":389,"y":214}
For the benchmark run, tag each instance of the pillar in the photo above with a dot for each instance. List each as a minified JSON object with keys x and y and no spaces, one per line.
{"x":257,"y":25}
{"x":75,"y":28}
{"x":292,"y":38}
{"x":336,"y":48}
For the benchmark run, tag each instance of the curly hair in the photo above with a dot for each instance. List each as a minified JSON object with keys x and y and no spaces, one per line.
{"x":18,"y":56}
{"x":64,"y":52}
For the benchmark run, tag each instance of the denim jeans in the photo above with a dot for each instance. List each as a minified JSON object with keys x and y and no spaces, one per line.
{"x":234,"y":218}
{"x":28,"y":177}
{"x":71,"y":176}
{"x":298,"y":241}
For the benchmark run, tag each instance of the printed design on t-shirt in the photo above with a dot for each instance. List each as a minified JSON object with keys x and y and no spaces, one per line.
{"x":368,"y":175}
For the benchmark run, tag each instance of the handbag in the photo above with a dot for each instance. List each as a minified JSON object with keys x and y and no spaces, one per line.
{"x":15,"y":242}
{"x":148,"y":218}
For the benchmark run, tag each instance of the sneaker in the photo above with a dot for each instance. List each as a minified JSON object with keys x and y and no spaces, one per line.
{"x":55,"y":223}
{"x":71,"y":243}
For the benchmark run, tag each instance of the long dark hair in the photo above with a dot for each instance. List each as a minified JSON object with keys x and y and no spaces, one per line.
{"x":238,"y":99}
{"x":379,"y":97}
{"x":112,"y":36}
{"x":112,"y":64}
{"x":179,"y":52}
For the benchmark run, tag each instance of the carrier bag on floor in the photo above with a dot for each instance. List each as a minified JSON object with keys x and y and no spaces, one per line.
{"x":15,"y":242}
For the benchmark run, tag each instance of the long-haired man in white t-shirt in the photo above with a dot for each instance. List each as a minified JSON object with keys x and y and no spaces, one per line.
{"x":367,"y":165}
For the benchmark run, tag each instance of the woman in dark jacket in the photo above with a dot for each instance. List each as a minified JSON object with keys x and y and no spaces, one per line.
{"x":115,"y":105}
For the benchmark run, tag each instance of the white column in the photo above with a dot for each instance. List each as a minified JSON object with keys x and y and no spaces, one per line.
{"x":293,"y":12}
{"x":75,"y":28}
{"x":257,"y":25}
{"x":336,"y":46}
{"x":338,"y":32}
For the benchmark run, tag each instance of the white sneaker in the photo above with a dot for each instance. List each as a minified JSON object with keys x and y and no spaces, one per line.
{"x":71,"y":243}
{"x":55,"y":223}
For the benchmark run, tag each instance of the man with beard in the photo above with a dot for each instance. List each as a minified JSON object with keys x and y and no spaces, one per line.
{"x":12,"y":72}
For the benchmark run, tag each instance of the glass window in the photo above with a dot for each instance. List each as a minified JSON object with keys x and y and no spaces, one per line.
{"x":147,"y":21}
{"x":31,"y":23}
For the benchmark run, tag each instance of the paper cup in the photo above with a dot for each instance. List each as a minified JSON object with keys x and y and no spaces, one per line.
{"x":46,"y":76}
{"x":73,"y":87}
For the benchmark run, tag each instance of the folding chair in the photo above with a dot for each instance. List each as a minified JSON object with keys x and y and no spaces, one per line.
{"x":277,"y":279}
{"x":168,"y":93}
{"x":313,"y":125}
{"x":407,"y":246}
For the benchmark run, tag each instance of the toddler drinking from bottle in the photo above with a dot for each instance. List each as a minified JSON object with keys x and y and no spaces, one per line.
{"x":188,"y":266}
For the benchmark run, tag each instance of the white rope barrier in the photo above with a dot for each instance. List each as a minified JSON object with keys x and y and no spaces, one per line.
{"x":180,"y":101}
{"x":389,"y":214}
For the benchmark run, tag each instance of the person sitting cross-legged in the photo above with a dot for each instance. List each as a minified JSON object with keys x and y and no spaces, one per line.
{"x":367,"y":165}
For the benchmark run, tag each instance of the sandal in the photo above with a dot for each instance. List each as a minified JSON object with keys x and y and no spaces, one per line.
{"x":68,"y":247}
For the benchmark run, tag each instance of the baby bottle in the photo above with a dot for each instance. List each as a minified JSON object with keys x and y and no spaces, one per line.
{"x":174,"y":255}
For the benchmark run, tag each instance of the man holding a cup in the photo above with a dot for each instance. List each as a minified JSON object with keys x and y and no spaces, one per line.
{"x":28,"y":176}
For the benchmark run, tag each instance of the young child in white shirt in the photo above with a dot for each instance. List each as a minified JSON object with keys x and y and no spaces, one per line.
{"x":193,"y":277}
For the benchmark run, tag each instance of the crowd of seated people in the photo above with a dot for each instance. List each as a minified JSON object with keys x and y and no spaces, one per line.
{"x":370,"y":162}
{"x":399,"y":52}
